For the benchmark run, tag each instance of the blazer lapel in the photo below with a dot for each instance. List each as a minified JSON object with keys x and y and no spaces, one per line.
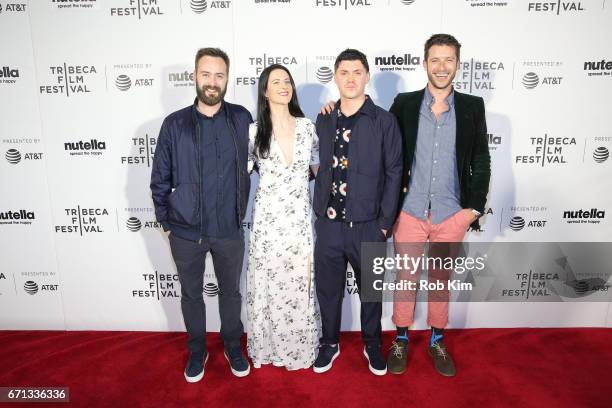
{"x":462,"y":118}
{"x":412,"y":112}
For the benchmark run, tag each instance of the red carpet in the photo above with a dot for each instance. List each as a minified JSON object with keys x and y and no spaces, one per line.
{"x":496,"y":367}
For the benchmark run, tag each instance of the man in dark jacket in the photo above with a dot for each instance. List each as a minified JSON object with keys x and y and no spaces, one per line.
{"x":445,"y":182}
{"x":200,"y":188}
{"x":355,"y":200}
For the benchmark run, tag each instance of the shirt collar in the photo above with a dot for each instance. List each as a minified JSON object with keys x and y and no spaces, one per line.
{"x":220,"y":113}
{"x":368,"y":107}
{"x":428,"y":98}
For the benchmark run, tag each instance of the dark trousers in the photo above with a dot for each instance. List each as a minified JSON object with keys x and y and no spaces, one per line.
{"x":227,"y":257}
{"x":338,"y":243}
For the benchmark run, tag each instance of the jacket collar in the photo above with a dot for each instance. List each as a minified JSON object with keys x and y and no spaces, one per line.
{"x":368,"y":108}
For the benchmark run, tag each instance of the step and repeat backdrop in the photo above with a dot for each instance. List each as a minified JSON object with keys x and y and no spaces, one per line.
{"x":85,"y":85}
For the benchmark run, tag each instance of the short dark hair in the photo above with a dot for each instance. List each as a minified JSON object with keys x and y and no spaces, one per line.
{"x":212,"y":52}
{"x":442,"y":39}
{"x":351,"y":54}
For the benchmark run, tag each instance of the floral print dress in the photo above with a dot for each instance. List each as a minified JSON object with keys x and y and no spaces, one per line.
{"x":283,"y":326}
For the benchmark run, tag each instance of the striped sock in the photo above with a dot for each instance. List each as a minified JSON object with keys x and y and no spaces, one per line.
{"x":402,"y":334}
{"x":436,"y":336}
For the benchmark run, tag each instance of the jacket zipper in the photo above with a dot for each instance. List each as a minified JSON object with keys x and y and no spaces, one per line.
{"x":237,"y":167}
{"x":198,"y":160}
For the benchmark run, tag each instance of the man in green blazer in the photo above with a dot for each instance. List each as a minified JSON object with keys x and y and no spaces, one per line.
{"x":444,"y":188}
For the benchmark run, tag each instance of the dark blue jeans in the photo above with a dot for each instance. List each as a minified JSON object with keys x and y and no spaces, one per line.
{"x":338,"y":243}
{"x":227,"y":255}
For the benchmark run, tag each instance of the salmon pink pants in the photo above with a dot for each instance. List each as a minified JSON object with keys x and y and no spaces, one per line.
{"x":410,"y":236}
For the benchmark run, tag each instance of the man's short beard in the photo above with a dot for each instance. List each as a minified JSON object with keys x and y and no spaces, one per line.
{"x":450,"y":82}
{"x":207,"y":100}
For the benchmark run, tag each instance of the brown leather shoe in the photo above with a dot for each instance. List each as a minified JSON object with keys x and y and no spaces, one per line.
{"x":396,"y":362}
{"x":442,"y":360}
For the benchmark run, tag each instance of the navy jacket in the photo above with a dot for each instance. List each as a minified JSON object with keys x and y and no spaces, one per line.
{"x":176,"y":176}
{"x":375,"y":165}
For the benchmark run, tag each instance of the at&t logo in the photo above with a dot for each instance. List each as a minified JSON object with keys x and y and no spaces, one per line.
{"x":601,"y":154}
{"x":134,"y":224}
{"x":324,"y":74}
{"x":13,"y":156}
{"x":200,"y":6}
{"x":518,"y":223}
{"x":531,"y":80}
{"x":30,"y":287}
{"x":14,"y":7}
{"x":211,"y":289}
{"x":124,"y":82}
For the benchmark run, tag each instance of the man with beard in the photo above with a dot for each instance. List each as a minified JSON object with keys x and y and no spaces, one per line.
{"x":444,"y":188}
{"x":200,"y":188}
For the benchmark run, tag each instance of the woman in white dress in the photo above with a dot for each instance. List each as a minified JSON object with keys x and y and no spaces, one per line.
{"x":283,"y":324}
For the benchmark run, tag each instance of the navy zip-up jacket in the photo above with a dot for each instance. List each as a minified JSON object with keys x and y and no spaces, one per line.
{"x":375,"y":165}
{"x":176,"y":177}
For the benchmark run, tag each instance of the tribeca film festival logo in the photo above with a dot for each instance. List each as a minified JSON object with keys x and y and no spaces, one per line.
{"x":324,"y":71}
{"x":351,"y":282}
{"x":138,"y":8}
{"x":259,"y":63}
{"x":9,"y":75}
{"x":345,"y":4}
{"x":140,"y":219}
{"x":93,"y":147}
{"x":200,"y":6}
{"x":143,"y":150}
{"x":15,"y":156}
{"x":477,"y":75}
{"x":527,"y":217}
{"x":137,"y":79}
{"x":32,"y":287}
{"x":555,"y":7}
{"x":17,"y":217}
{"x":582,"y":216}
{"x":74,"y":4}
{"x":541,"y":74}
{"x":598,"y":68}
{"x":158,"y":286}
{"x":548,"y":150}
{"x":532,"y":285}
{"x":400,"y":62}
{"x":69,"y":79}
{"x":83,"y":221}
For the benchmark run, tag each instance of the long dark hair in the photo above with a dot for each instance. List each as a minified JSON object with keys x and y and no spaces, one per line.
{"x":264,"y":120}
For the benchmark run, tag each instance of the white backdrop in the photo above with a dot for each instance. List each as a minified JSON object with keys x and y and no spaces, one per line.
{"x":85,"y":85}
